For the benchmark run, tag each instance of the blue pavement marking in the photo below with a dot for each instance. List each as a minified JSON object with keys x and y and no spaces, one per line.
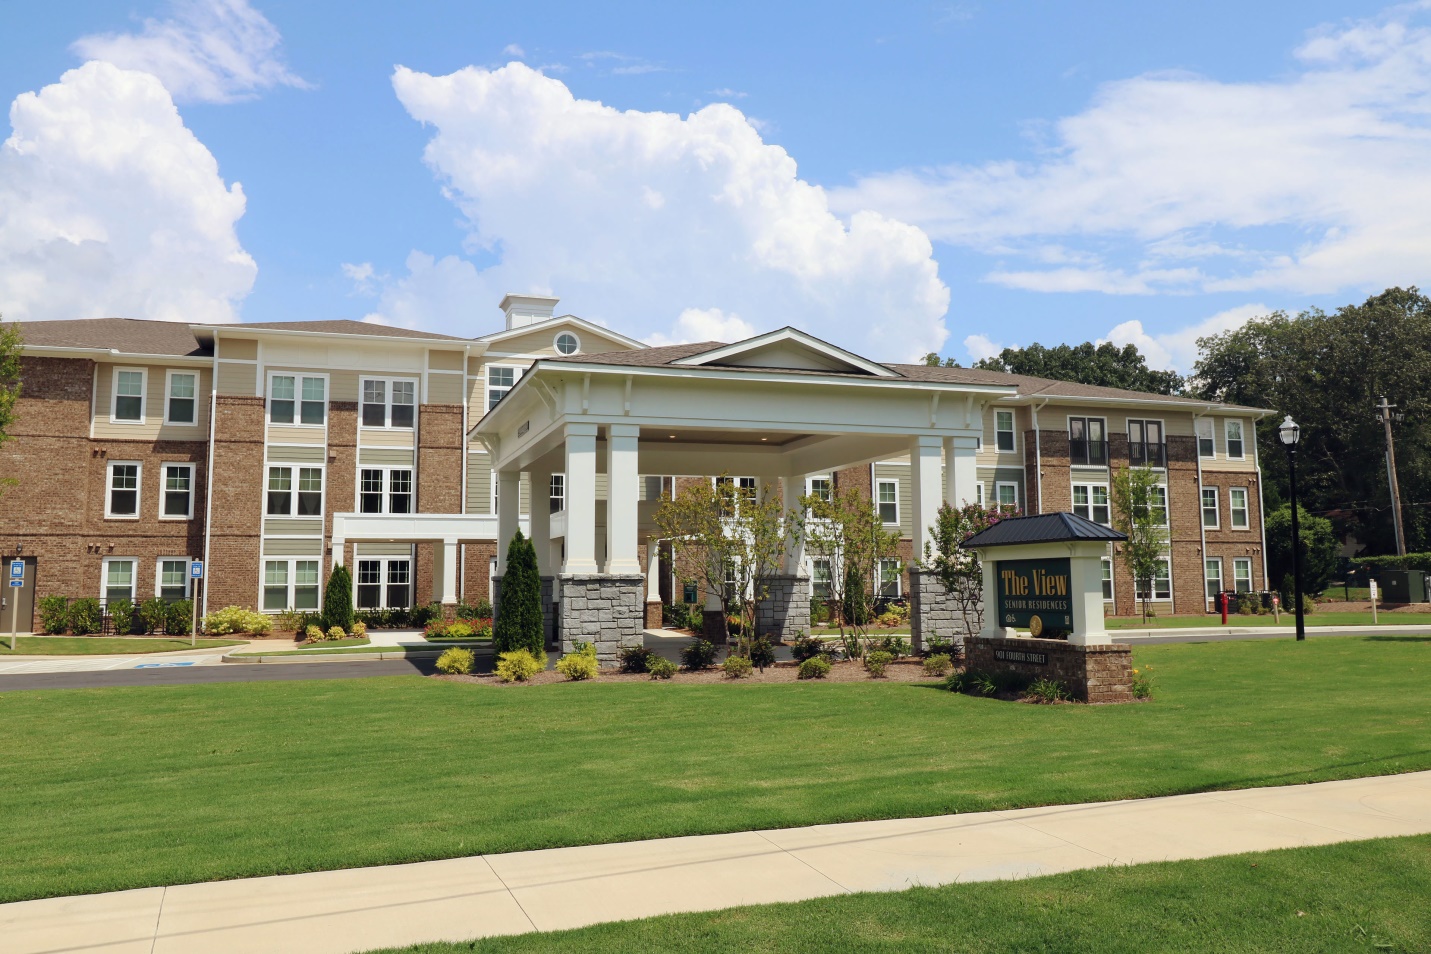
{"x":162,"y":665}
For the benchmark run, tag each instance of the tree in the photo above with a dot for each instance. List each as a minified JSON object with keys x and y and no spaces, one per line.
{"x":10,"y":347}
{"x":1327,"y":370}
{"x":1140,"y":512}
{"x":1319,"y":548}
{"x":519,"y":610}
{"x":932,"y":360}
{"x":1105,"y":364}
{"x":846,"y":530}
{"x":960,"y":571}
{"x":338,"y":599}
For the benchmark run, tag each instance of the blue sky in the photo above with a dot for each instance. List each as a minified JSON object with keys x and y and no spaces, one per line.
{"x":893,"y":177}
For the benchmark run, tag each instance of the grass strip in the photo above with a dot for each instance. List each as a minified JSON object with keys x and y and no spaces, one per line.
{"x":104,"y":645}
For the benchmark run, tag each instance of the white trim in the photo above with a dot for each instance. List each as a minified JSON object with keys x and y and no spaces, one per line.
{"x":290,"y":581}
{"x":998,"y":501}
{"x":295,"y":469}
{"x":105,"y":564}
{"x":1013,"y":431}
{"x":1168,"y":561}
{"x":334,"y":336}
{"x":1089,"y":485}
{"x":1112,"y":596}
{"x":159,"y":575}
{"x":109,"y":489}
{"x":383,"y":582}
{"x":518,"y":372}
{"x":114,"y":394}
{"x":1232,"y":511}
{"x":387,"y":491}
{"x":169,"y":394}
{"x":1198,"y":421}
{"x":787,"y":334}
{"x":556,"y":339}
{"x":830,"y":486}
{"x":418,"y":394}
{"x":1227,"y":425}
{"x":266,"y":382}
{"x":1250,"y":578}
{"x":898,"y":578}
{"x":1107,"y":444}
{"x":164,"y":488}
{"x":569,"y":319}
{"x":1216,"y":508}
{"x":879,"y":504}
{"x":1221,"y":578}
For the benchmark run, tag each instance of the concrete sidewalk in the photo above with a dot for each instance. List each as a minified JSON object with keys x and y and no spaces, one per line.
{"x":464,"y":898}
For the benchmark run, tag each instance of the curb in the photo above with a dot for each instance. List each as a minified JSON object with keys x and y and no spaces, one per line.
{"x":397,"y":653}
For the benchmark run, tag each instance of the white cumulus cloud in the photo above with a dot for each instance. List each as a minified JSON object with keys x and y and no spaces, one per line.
{"x":109,"y":206}
{"x":704,"y":324}
{"x":642,"y":219}
{"x":212,"y":51}
{"x":1177,"y":349}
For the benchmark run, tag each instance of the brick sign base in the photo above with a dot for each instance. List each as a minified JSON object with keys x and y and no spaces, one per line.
{"x":1089,"y":673}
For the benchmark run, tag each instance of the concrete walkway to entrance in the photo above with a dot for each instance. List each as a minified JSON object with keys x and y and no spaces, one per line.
{"x":463,"y":898}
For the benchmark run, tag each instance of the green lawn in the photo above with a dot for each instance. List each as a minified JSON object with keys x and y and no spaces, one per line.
{"x":101,"y":645}
{"x":471,"y":644}
{"x":119,"y":788}
{"x":1362,"y":896}
{"x":1320,"y":617}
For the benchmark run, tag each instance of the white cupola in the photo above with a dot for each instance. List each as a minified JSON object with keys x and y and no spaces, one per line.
{"x":524,"y":310}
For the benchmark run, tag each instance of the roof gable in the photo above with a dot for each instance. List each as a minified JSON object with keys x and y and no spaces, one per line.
{"x":595,"y":339}
{"x":788,"y":349}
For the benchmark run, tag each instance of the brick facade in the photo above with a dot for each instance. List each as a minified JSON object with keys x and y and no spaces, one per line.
{"x":235,"y":535}
{"x":1098,"y":674}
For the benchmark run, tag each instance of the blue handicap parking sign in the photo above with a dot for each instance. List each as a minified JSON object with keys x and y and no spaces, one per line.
{"x":17,"y":569}
{"x":196,"y":569}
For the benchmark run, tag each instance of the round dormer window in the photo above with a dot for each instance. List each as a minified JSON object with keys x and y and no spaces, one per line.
{"x":567,"y":343}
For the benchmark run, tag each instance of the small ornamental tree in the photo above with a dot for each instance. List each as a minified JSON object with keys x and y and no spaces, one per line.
{"x":1140,"y":512}
{"x":960,"y":571}
{"x":846,"y":530}
{"x":519,"y":608}
{"x":338,"y":599}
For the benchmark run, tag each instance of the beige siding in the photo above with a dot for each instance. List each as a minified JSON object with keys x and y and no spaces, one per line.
{"x":238,"y":379}
{"x":989,"y":455}
{"x":153,"y":426}
{"x":899,"y":473}
{"x":479,"y":483}
{"x":343,"y":386}
{"x":378,"y":437}
{"x":296,"y":434}
{"x":292,"y":526}
{"x":242,"y":348}
{"x":444,"y":360}
{"x":289,"y":453}
{"x":385,"y":456}
{"x":289,"y":546}
{"x":444,"y":388}
{"x":383,"y":550}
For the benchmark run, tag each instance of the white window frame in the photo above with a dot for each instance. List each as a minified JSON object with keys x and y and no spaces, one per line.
{"x":138,"y":489}
{"x":297,"y":377}
{"x":557,"y":347}
{"x":491,"y":581}
{"x":551,"y":496}
{"x":1232,"y":509}
{"x":114,"y":395}
{"x":295,"y":475}
{"x":1090,"y":485}
{"x":879,"y":503}
{"x":829,"y":487}
{"x":384,"y":582}
{"x":1211,"y":437}
{"x":169,"y":396}
{"x":159,"y":575}
{"x":1111,"y":578}
{"x":1238,"y":563}
{"x":1000,"y":485}
{"x":979,"y":492}
{"x":1206,"y":579}
{"x":1227,"y":427}
{"x":1166,"y":561}
{"x":164,"y":488}
{"x":829,"y":582}
{"x":105,"y":564}
{"x":290,"y":580}
{"x":488,"y":403}
{"x":387,"y":384}
{"x":897,"y":579}
{"x":1216,"y":507}
{"x":1161,"y":490}
{"x":387,"y":492}
{"x":999,"y":431}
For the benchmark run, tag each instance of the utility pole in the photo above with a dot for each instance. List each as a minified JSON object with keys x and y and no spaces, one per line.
{"x":1384,"y":415}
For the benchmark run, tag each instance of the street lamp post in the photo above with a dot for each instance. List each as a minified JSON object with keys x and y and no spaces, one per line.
{"x":1289,"y":433}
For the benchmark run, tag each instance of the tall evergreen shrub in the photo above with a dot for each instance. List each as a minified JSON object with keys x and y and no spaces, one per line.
{"x":338,"y":599}
{"x":519,"y":609}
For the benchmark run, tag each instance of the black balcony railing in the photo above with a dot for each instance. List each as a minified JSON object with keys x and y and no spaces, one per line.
{"x":1153,"y":455}
{"x":1093,"y":453}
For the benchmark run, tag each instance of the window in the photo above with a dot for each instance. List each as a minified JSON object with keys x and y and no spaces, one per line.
{"x":1090,"y":501}
{"x":1237,"y":503}
{"x":389,"y":490}
{"x":557,"y":493}
{"x":499,"y":381}
{"x":123,"y":499}
{"x":818,"y":487}
{"x":1234,"y":440}
{"x":384,"y":583}
{"x":979,"y":493}
{"x":567,"y":343}
{"x":182,"y":395}
{"x":820,"y":578}
{"x":743,"y":488}
{"x":1242,"y":575}
{"x":1162,"y":583}
{"x":1145,"y":443}
{"x":1006,"y":494}
{"x":281,"y":492}
{"x":1160,"y":505}
{"x":1209,"y":508}
{"x":889,"y":581}
{"x":290,"y":584}
{"x":1205,"y":447}
{"x":1087,"y":441}
{"x":294,"y":399}
{"x":1107,"y":563}
{"x":118,"y":579}
{"x":1004,"y":430}
{"x":389,"y":403}
{"x":171,"y":579}
{"x":178,"y":492}
{"x":888,"y":502}
{"x":128,"y":396}
{"x":1212,"y":574}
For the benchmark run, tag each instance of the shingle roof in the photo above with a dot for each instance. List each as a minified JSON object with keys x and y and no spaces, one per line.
{"x":344,"y":326}
{"x":129,"y":335}
{"x":1041,"y":528}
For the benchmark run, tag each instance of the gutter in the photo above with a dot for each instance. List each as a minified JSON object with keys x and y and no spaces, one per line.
{"x":1201,"y":525}
{"x":466,"y":466}
{"x":1261,"y":509}
{"x":209,"y":473}
{"x":1038,"y":451}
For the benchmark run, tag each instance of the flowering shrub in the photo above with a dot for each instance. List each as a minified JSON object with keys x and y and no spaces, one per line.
{"x":456,"y":661}
{"x":519,"y":665}
{"x":1143,"y":683}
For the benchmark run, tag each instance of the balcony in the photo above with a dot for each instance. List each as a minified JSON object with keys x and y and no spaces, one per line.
{"x":1149,"y":454}
{"x":1087,"y":452}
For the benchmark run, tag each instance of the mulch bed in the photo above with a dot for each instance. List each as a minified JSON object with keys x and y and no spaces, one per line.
{"x":901,"y":670}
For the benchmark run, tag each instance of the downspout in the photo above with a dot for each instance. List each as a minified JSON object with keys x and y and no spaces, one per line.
{"x":1201,"y":523}
{"x":1038,"y":452}
{"x":209,"y":474}
{"x":466,"y":453}
{"x":1261,"y":513}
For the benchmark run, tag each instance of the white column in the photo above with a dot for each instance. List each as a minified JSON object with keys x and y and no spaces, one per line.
{"x":792,"y":489}
{"x":622,"y":496}
{"x":993,"y":626}
{"x":1086,"y":589}
{"x":444,"y":571}
{"x":541,"y":519}
{"x":925,"y":463}
{"x":580,"y":499}
{"x":960,"y":470}
{"x":509,"y":494}
{"x":653,"y":570}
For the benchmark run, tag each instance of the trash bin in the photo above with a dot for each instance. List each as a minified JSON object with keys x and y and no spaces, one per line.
{"x":1403,"y":586}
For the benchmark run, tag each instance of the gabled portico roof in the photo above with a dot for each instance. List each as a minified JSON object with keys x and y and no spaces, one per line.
{"x":787,"y":349}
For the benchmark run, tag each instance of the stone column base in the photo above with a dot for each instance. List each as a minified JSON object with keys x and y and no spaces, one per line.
{"x":605,"y":610}
{"x":653,"y":615}
{"x":785,"y":612}
{"x":549,"y":614}
{"x":932,"y":614}
{"x":1099,"y":673}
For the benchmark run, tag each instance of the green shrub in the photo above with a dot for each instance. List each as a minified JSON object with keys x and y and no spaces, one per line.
{"x":585,"y":647}
{"x":519,"y":665}
{"x":519,"y":612}
{"x":877,"y":662}
{"x":54,"y":614}
{"x":808,"y":647}
{"x":422,"y":615}
{"x":336,"y":633}
{"x":179,"y":618}
{"x":577,"y":666}
{"x":121,"y":616}
{"x":314,"y":633}
{"x":338,"y":598}
{"x":982,"y":683}
{"x":938,"y":665}
{"x":943,"y":647}
{"x":760,"y":652}
{"x":360,"y":629}
{"x":896,"y":646}
{"x":634,"y":659}
{"x":456,"y":661}
{"x":1143,"y":683}
{"x":236,"y":619}
{"x":1047,"y":690}
{"x":154,"y":612}
{"x":737,"y":667}
{"x":816,"y":667}
{"x":85,"y":616}
{"x":700,"y":654}
{"x":661,"y":668}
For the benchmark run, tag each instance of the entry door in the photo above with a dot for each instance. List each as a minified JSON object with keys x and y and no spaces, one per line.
{"x":24,"y":620}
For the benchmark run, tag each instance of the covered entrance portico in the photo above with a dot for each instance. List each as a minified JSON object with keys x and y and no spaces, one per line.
{"x":776,"y":407}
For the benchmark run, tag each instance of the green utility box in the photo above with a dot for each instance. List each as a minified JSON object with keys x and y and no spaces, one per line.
{"x":1403,"y":586}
